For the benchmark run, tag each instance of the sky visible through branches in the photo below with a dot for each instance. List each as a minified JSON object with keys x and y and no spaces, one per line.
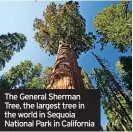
{"x":19,"y":17}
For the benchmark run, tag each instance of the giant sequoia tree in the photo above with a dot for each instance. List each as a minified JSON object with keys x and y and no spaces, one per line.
{"x":29,"y":76}
{"x":114,"y":25}
{"x":9,"y":44}
{"x":62,"y":32}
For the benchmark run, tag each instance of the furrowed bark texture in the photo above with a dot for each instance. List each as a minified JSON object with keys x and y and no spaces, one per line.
{"x":66,"y":73}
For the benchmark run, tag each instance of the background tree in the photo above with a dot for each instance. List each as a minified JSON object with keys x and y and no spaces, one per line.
{"x":46,"y":75}
{"x":114,"y":25}
{"x":29,"y":76}
{"x":20,"y":75}
{"x":124,"y":66}
{"x":114,"y":81}
{"x":9,"y":44}
{"x":43,"y":81}
{"x":115,"y":106}
{"x":86,"y":80}
{"x":62,"y":32}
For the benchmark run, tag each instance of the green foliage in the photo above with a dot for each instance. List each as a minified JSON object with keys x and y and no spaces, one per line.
{"x":9,"y":44}
{"x":114,"y":25}
{"x":20,"y":75}
{"x":124,"y":66}
{"x":26,"y":75}
{"x":115,"y":106}
{"x":45,"y":79}
{"x":86,"y":80}
{"x":62,"y":22}
{"x":114,"y":97}
{"x":46,"y":75}
{"x":4,"y":83}
{"x":29,"y":76}
{"x":114,"y":80}
{"x":36,"y":83}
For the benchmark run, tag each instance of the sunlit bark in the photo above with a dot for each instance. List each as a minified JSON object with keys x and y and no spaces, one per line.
{"x":66,"y":73}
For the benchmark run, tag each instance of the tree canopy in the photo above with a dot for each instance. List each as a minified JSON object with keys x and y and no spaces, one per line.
{"x":115,"y":106}
{"x":29,"y":76}
{"x":124,"y":66}
{"x":9,"y":44}
{"x":114,"y":25}
{"x":46,"y":75}
{"x":20,"y":75}
{"x":62,"y":22}
{"x":86,"y":80}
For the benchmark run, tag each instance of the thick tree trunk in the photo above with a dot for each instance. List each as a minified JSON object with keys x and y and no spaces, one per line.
{"x":66,"y":73}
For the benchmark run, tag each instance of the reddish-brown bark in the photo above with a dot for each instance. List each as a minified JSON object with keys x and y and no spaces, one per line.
{"x":66,"y":73}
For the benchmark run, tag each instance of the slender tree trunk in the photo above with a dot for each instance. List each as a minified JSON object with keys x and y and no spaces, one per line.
{"x":107,"y":92}
{"x":118,"y":87}
{"x":66,"y":73}
{"x":14,"y":81}
{"x":116,"y":107}
{"x":125,"y":130}
{"x":123,"y":109}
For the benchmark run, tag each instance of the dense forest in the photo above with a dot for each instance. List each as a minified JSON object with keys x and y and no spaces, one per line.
{"x":62,"y":32}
